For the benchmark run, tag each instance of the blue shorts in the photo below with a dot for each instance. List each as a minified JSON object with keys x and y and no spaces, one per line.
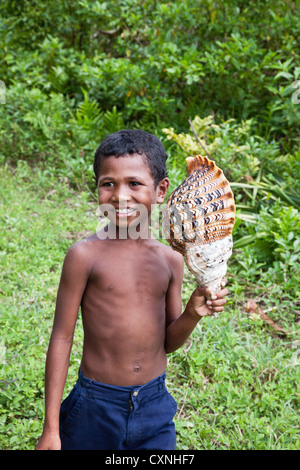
{"x":97,"y":416}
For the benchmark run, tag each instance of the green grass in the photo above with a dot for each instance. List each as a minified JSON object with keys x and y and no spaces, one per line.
{"x":238,"y":387}
{"x":235,"y":380}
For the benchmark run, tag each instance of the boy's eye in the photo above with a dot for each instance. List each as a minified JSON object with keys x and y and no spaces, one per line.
{"x":110,"y":184}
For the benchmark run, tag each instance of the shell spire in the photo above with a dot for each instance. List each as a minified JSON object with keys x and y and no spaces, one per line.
{"x":198,"y":220}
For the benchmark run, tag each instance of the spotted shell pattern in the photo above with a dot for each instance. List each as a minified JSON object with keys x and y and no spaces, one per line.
{"x":198,"y":220}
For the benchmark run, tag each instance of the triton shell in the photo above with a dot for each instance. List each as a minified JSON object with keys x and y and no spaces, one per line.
{"x":198,"y":220}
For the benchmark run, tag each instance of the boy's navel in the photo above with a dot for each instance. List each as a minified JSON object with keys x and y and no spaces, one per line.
{"x":137,"y":365}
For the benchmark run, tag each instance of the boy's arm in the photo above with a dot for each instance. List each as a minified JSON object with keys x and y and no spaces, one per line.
{"x":74,"y":276}
{"x":180,"y":326}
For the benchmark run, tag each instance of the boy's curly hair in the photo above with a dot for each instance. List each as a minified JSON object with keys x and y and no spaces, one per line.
{"x":128,"y":142}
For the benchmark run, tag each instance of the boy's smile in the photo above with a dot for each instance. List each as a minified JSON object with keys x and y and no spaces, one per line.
{"x":126,"y":188}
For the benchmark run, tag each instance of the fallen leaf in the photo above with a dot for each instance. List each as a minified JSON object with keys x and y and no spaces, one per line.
{"x":254,"y":309}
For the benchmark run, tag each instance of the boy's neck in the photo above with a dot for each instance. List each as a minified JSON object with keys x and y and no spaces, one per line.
{"x":133,"y":233}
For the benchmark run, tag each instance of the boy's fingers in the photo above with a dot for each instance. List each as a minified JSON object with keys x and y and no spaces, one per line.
{"x":207,"y":292}
{"x":217,"y":309}
{"x":203,"y":291}
{"x":222,"y":293}
{"x":216,"y":303}
{"x":218,"y":295}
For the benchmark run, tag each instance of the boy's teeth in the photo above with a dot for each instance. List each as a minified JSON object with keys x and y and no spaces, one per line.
{"x":124,"y":211}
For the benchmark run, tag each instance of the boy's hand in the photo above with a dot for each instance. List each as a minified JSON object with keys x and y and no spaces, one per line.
{"x":200,"y":306}
{"x":49,"y":441}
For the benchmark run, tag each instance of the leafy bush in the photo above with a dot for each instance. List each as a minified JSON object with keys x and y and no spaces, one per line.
{"x":161,"y":62}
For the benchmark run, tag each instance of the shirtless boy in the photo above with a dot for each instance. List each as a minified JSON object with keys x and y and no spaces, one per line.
{"x":129,"y":291}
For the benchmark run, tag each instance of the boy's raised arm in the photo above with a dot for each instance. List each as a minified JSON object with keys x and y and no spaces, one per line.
{"x":73,"y":280}
{"x":180,"y":326}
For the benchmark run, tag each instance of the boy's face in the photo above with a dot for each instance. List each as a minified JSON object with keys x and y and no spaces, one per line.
{"x":126,"y":187}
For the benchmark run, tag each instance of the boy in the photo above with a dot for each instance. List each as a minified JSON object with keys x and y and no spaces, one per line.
{"x":129,"y":290}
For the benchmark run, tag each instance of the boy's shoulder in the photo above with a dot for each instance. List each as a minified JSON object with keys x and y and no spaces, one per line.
{"x":170,"y":255}
{"x":85,"y":248}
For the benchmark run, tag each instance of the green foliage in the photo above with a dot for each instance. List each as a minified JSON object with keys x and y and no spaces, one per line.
{"x":246,"y":390}
{"x":90,"y":122}
{"x":167,"y":60}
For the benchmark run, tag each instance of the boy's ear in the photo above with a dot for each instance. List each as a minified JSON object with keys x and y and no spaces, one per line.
{"x":162,"y":189}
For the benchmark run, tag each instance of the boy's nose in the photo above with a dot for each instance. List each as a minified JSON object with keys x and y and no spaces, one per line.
{"x":121,"y":195}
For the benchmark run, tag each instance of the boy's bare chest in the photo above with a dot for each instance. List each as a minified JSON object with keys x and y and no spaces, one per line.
{"x":120,"y":272}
